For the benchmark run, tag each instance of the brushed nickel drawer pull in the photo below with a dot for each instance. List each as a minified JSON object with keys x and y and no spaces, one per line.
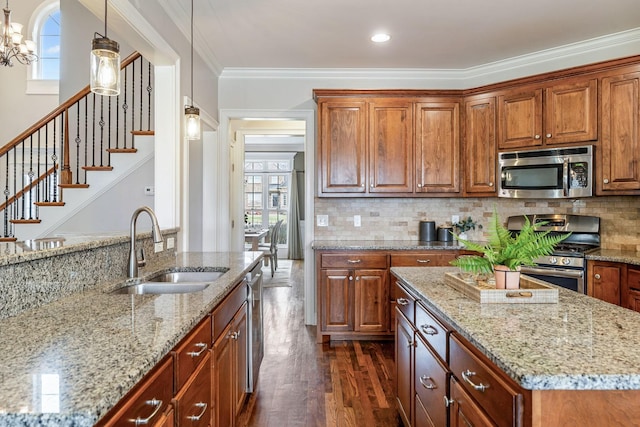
{"x":354,"y":261}
{"x":144,"y":421}
{"x":480,"y":387}
{"x":402,"y":301}
{"x":429,"y":330}
{"x":202,"y":405}
{"x":448,"y":402}
{"x":423,"y":381}
{"x":423,"y":261}
{"x":202,"y":346}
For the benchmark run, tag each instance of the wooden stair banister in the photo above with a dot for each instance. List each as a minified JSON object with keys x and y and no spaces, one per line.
{"x":28,"y":188}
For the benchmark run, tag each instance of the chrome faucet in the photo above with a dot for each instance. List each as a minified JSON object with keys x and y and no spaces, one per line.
{"x":134,"y":262}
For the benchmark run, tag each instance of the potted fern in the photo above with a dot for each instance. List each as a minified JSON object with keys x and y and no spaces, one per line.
{"x":504,"y":254}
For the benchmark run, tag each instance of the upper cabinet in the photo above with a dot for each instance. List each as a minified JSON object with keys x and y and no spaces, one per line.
{"x":619,"y":154}
{"x":437,"y":146}
{"x":563,"y":113}
{"x":387,"y":146}
{"x":480,"y":146}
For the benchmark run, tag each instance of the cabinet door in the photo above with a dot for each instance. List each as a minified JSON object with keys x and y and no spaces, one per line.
{"x":336,"y":299}
{"x":620,"y":144}
{"x":604,"y":280}
{"x":193,"y":402}
{"x":632,"y":289}
{"x":520,"y":119}
{"x":464,"y":412}
{"x":371,"y":300}
{"x":342,"y":146}
{"x":404,"y":367}
{"x":480,"y":146}
{"x":571,"y":112}
{"x":430,"y":382}
{"x":390,"y":146}
{"x":437,"y":146}
{"x":223,"y":380}
{"x":240,"y":358}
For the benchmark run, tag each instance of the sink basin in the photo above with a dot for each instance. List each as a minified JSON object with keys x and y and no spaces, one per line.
{"x":187,"y":276}
{"x":162,"y":288}
{"x":175,"y":282}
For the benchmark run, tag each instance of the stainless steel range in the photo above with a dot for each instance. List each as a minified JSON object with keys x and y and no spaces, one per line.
{"x":567,"y":266}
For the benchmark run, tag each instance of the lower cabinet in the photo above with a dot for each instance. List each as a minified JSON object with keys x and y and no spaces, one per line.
{"x":404,"y":366}
{"x":614,"y":282}
{"x":193,"y":402}
{"x":464,"y":411}
{"x":430,"y":382}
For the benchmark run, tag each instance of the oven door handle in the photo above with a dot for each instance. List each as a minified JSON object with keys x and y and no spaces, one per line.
{"x":573,"y":274}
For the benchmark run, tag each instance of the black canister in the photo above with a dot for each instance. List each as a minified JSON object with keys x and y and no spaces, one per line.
{"x":427,"y":232}
{"x":444,"y":234}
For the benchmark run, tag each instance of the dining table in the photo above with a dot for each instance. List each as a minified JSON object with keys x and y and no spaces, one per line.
{"x":254,"y":236}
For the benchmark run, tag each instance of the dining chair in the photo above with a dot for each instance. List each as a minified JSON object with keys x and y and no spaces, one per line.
{"x":271,"y":250}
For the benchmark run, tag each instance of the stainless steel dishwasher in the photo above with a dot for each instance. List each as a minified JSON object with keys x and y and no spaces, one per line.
{"x":255,"y":336}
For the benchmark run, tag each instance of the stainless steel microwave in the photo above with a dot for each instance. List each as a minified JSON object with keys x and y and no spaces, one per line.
{"x":554,"y":173}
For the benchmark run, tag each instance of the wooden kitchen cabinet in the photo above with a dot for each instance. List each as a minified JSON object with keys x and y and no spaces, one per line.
{"x":390,"y":146}
{"x":619,"y":151}
{"x":604,"y":280}
{"x":632,"y":288}
{"x":437,"y":147}
{"x":193,"y":401}
{"x":563,"y":113}
{"x":404,"y":367}
{"x":230,"y":370}
{"x":353,"y":294}
{"x":342,"y":145}
{"x":480,"y":146}
{"x":464,"y":411}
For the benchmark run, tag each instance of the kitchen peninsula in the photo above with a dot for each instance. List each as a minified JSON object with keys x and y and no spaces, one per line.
{"x":571,"y":363}
{"x":69,"y":361}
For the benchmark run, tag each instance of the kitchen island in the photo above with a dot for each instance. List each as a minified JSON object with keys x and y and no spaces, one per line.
{"x":577,"y":360}
{"x":68,"y":362}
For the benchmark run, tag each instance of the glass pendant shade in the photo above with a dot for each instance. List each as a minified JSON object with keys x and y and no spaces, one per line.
{"x":105,"y":67}
{"x":192,"y":123}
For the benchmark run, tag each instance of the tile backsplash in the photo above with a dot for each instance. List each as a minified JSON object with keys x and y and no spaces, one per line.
{"x":398,"y":218}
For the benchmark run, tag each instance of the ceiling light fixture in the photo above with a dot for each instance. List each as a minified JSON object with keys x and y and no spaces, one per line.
{"x":380,"y":38}
{"x":12,"y":45}
{"x":105,"y":63}
{"x":191,"y":113}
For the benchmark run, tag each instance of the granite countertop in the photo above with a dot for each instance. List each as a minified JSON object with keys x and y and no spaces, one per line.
{"x":389,"y":245}
{"x":70,"y":361}
{"x":614,"y":255}
{"x":580,"y":343}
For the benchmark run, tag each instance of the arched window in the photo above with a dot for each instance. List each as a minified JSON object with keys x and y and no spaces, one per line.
{"x":45,"y":25}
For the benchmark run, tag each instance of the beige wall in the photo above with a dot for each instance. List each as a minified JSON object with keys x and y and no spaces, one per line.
{"x":397,"y":219}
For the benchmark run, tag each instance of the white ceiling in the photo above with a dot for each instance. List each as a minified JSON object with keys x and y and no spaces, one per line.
{"x":426,"y":34}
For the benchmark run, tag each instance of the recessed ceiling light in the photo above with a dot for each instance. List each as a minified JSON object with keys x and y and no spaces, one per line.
{"x":380,"y":38}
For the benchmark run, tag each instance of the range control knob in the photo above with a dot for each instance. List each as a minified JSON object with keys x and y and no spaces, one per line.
{"x":553,"y":260}
{"x":566,"y":261}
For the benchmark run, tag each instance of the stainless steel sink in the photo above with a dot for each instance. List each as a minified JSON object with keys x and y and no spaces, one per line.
{"x":187,"y":276}
{"x":162,"y":288}
{"x":175,"y":282}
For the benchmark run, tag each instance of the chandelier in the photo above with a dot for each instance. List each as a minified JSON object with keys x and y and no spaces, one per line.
{"x":12,"y":45}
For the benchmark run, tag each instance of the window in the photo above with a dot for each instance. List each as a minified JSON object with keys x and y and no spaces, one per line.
{"x":45,"y":25}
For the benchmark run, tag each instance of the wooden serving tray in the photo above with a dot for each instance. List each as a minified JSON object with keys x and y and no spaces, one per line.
{"x":532,"y":291}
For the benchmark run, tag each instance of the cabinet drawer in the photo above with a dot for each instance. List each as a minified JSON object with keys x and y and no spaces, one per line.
{"x":427,"y":259}
{"x":193,"y":402}
{"x":633,"y":279}
{"x":354,"y":260}
{"x":430,"y":382}
{"x":148,"y":401}
{"x":188,"y":355}
{"x":405,"y":302}
{"x":502,"y":401}
{"x":433,"y":332}
{"x":224,"y":312}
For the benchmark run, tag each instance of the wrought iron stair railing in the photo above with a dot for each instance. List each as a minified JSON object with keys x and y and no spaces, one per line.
{"x":77,"y":137}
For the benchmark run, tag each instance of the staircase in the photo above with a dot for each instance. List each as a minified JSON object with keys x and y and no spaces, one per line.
{"x":87,"y":144}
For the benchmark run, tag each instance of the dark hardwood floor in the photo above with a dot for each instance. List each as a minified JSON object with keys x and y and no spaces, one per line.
{"x":301,"y":383}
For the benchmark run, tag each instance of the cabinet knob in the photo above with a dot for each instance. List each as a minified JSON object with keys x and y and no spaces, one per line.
{"x":491,"y":184}
{"x":606,"y":181}
{"x":419,"y":185}
{"x":548,"y":135}
{"x":350,"y":277}
{"x":596,"y":276}
{"x":536,"y":137}
{"x":372,"y":186}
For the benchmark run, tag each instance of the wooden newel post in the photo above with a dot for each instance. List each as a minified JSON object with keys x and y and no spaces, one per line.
{"x":66,"y":176}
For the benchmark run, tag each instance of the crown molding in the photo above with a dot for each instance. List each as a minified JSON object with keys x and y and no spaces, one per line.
{"x":612,"y":46}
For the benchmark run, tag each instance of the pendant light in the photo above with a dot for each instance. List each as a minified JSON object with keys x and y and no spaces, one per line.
{"x":105,"y":63}
{"x":191,"y":113}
